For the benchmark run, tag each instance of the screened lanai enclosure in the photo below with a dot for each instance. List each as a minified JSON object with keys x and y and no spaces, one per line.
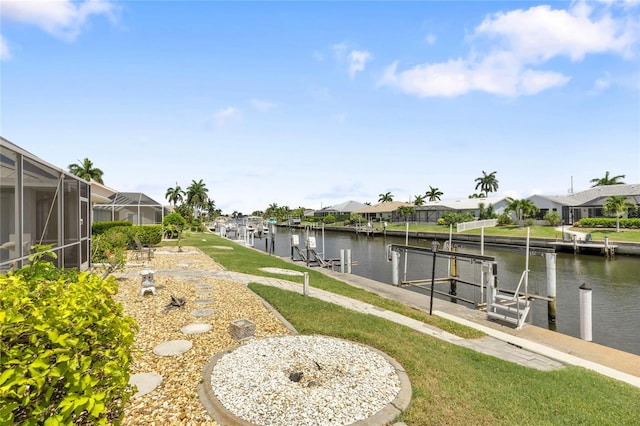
{"x":41,"y":204}
{"x":134,"y":207}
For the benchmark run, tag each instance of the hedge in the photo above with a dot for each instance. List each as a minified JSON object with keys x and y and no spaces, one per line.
{"x":65,"y":348}
{"x":98,"y":228}
{"x":607,"y":222}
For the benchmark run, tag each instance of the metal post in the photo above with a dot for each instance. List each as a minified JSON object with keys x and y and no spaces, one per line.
{"x":434,"y":247}
{"x":348,"y":260}
{"x":551,"y":286}
{"x":323,"y":250}
{"x":406,"y":243}
{"x":342,"y":261}
{"x":305,"y":285}
{"x":585,"y":312}
{"x":395,"y":263}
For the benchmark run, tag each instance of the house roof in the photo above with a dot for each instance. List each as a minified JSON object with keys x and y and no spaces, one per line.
{"x":348,"y":206}
{"x":462,"y":204}
{"x":387,"y":207}
{"x":591,"y":195}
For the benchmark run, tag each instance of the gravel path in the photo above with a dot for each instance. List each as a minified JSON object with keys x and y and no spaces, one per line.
{"x":176,"y":401}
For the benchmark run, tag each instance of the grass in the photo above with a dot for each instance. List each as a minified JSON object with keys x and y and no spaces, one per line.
{"x":450,"y":384}
{"x":456,"y":386}
{"x":249,"y":261}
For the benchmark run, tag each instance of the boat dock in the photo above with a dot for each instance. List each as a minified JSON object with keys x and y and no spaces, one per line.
{"x":577,"y":246}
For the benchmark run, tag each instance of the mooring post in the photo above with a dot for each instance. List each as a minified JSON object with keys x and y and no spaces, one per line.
{"x":551,"y":286}
{"x":395,"y":267}
{"x":453,"y":274}
{"x":585,"y":313}
{"x":348,"y":260}
{"x":342,"y":261}
{"x":305,"y":285}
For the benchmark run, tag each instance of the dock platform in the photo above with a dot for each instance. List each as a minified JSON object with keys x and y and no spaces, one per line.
{"x":585,"y":247}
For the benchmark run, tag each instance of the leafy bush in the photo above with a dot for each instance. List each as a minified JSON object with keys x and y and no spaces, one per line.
{"x":504,"y":219}
{"x":98,"y":228}
{"x":356,"y":218}
{"x":173,"y":223}
{"x":606,"y":222}
{"x":67,"y":346}
{"x":553,"y":218}
{"x":329,"y":219}
{"x":453,"y":218}
{"x":149,"y":235}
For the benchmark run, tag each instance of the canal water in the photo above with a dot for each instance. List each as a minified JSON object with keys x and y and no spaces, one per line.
{"x":615,"y":282}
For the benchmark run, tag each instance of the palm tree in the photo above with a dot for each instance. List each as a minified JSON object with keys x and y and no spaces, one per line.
{"x":211,"y":209}
{"x":480,"y":195}
{"x":487,"y":183}
{"x":385,"y":198}
{"x":419,"y":200}
{"x":197,"y":195}
{"x":522,"y":208}
{"x":405,"y":211}
{"x":618,"y":206}
{"x":607,"y":180}
{"x":433,"y":194}
{"x":84,"y":169}
{"x":174,"y":195}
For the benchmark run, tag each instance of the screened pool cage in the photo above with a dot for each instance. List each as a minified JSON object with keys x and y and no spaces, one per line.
{"x":134,"y":207}
{"x":41,"y":204}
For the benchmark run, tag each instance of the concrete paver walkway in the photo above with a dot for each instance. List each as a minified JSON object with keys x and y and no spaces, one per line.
{"x":532,"y":346}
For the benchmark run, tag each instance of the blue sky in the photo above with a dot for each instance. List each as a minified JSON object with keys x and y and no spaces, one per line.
{"x":316,"y":103}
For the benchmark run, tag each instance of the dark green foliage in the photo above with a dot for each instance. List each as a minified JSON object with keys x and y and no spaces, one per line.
{"x":453,"y":218}
{"x":553,"y":218}
{"x":98,"y":228}
{"x":329,"y":219}
{"x":65,"y":348}
{"x":173,"y":224}
{"x":605,"y":222}
{"x":504,"y":219}
{"x":150,"y":235}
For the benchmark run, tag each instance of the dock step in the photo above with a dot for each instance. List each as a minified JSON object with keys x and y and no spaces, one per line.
{"x":502,"y":317}
{"x":509,"y":309}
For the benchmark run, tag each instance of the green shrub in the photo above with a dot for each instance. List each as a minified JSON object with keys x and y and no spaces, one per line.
{"x":553,"y":218}
{"x":453,"y":218}
{"x":329,"y":219}
{"x":66,"y":348}
{"x":98,"y":228}
{"x":173,"y":224}
{"x":607,"y":222}
{"x":504,"y":219}
{"x":150,"y":235}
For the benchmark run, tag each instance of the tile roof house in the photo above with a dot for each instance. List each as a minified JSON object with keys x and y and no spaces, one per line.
{"x":345,"y":208}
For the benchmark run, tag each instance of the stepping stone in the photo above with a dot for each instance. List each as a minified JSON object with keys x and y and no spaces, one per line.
{"x":202,"y":312}
{"x":146,"y":382}
{"x":172,"y":347}
{"x":196,"y":328}
{"x":203,"y":287}
{"x":183,"y":265}
{"x":204,"y":301}
{"x":203,"y":292}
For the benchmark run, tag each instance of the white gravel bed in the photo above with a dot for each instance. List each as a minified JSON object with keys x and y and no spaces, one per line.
{"x":304,"y":380}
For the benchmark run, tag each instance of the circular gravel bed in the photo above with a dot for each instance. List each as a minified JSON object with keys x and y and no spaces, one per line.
{"x":304,"y":380}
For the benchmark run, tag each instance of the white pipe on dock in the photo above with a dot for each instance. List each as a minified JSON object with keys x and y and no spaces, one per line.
{"x":585,"y":313}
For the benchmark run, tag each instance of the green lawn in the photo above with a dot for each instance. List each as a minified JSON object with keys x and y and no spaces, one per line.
{"x":451,"y":385}
{"x":456,"y":386}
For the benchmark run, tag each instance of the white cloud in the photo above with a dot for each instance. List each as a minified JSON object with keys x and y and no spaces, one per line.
{"x":520,"y":40}
{"x":61,"y":18}
{"x":5,"y":54}
{"x":226,"y":116}
{"x":261,"y":105}
{"x":357,"y":61}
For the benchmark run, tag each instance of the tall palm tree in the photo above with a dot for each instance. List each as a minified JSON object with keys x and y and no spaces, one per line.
{"x":174,"y":195}
{"x":197,"y":195}
{"x":607,"y":180}
{"x":85,"y":170}
{"x":487,"y":183}
{"x":618,"y":206}
{"x":419,"y":200}
{"x":480,"y":195}
{"x":385,"y":198}
{"x":433,"y":194}
{"x":405,"y":211}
